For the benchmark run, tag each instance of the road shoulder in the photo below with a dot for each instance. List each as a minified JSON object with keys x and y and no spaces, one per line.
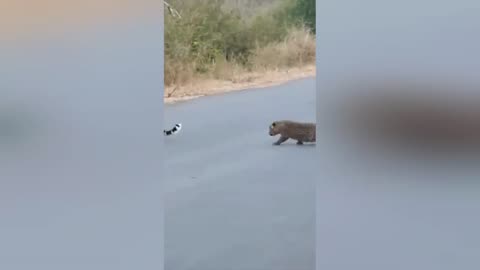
{"x":243,"y":82}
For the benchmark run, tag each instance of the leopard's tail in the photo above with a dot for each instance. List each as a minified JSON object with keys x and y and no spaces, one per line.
{"x":174,"y":130}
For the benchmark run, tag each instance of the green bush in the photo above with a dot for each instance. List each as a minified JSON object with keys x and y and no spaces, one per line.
{"x":209,"y":33}
{"x":303,"y":12}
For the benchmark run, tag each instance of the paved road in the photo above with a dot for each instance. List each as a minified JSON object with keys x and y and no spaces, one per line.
{"x":234,"y":201}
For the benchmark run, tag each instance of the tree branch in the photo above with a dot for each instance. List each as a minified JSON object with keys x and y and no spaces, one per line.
{"x":172,"y":11}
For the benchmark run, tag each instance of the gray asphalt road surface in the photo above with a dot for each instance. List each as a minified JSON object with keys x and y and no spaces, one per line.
{"x":233,"y":200}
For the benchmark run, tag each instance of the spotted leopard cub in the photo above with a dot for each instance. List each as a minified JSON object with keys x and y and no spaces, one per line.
{"x":301,"y":132}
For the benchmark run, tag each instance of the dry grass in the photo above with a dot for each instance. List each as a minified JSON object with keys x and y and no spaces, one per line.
{"x":206,"y":87}
{"x":297,"y":49}
{"x":227,"y":71}
{"x":178,"y":73}
{"x":292,"y":58}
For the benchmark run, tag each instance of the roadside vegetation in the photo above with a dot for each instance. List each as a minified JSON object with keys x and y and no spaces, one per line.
{"x":223,"y":39}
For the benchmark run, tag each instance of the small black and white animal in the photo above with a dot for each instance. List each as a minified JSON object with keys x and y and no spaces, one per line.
{"x":173,"y":131}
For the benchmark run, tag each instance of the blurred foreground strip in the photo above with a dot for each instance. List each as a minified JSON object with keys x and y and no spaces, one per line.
{"x":417,"y":114}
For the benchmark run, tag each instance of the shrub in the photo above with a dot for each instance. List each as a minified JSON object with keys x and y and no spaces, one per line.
{"x":210,"y":38}
{"x":297,"y":49}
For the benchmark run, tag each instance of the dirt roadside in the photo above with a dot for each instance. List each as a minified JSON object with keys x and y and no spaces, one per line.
{"x":241,"y":82}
